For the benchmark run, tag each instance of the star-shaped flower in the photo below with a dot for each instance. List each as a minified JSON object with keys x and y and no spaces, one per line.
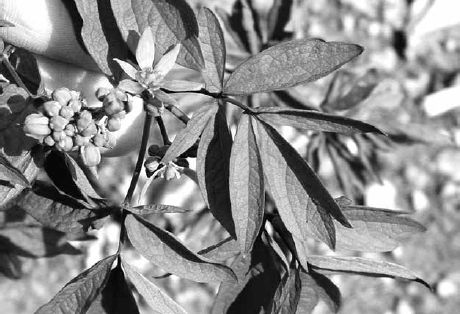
{"x":148,"y":75}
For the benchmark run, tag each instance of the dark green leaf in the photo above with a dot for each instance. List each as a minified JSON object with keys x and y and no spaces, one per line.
{"x":156,"y":209}
{"x":213,"y":47}
{"x":287,"y":294}
{"x":278,"y":17}
{"x":101,"y":35}
{"x":221,"y":251}
{"x":11,"y":173}
{"x":58,"y":211}
{"x":258,"y":279}
{"x":158,"y":300}
{"x":10,"y":265}
{"x":80,"y":179}
{"x":116,"y":297}
{"x":247,"y":193}
{"x":164,"y":250}
{"x":315,"y":287}
{"x":212,"y":167}
{"x":362,"y":266}
{"x":289,"y":64}
{"x":172,"y":22}
{"x":34,"y":241}
{"x":26,"y":65}
{"x":314,"y":121}
{"x":187,"y":137}
{"x":77,"y":295}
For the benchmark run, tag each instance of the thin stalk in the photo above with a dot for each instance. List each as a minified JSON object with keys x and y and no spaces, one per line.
{"x":12,"y":71}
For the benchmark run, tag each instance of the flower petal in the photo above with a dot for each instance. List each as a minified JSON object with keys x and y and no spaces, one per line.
{"x":179,"y":85}
{"x":167,"y":62}
{"x":131,"y":87}
{"x":145,"y":51}
{"x":127,"y":68}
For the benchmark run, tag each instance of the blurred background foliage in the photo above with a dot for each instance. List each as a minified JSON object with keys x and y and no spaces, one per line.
{"x":407,"y":82}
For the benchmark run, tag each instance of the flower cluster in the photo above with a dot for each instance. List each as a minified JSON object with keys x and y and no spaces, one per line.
{"x":66,"y":123}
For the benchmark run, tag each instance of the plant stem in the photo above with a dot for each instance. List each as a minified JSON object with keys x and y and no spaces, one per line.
{"x":163,"y":131}
{"x":177,"y":112}
{"x":137,"y":171}
{"x":10,"y":68}
{"x":238,"y":104}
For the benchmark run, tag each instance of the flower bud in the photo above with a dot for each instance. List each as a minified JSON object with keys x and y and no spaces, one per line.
{"x":70,"y":130}
{"x":110,"y":140}
{"x":153,"y":150}
{"x":58,"y":123}
{"x":121,"y":95}
{"x":102,"y":92}
{"x":151,"y":164}
{"x":121,"y":115}
{"x":81,"y":140}
{"x":90,"y":130}
{"x":171,"y":172}
{"x":36,"y":125}
{"x":90,"y":155}
{"x":58,"y":135}
{"x":75,"y":104}
{"x":62,"y":95}
{"x":49,"y":141}
{"x":99,"y":140}
{"x":66,"y":112}
{"x":52,"y":108}
{"x":84,"y":120}
{"x":75,"y":95}
{"x":112,"y":105}
{"x":66,"y":144}
{"x":113,"y":124}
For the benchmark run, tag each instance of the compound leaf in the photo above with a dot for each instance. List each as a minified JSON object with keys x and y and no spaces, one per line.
{"x":213,"y":48}
{"x":212,"y":167}
{"x":247,"y":193}
{"x":158,"y":300}
{"x":77,"y":295}
{"x":164,"y":250}
{"x":310,"y":120}
{"x":289,"y":64}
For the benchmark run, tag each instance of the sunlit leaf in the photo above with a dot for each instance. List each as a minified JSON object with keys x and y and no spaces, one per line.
{"x":158,"y":300}
{"x":11,"y":173}
{"x":164,"y":250}
{"x":156,"y":209}
{"x":289,"y":64}
{"x":77,"y":295}
{"x":247,"y":193}
{"x":213,"y":48}
{"x":221,"y":251}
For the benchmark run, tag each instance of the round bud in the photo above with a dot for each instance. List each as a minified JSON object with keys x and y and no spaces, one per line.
{"x":110,"y":140}
{"x":121,"y":95}
{"x":66,"y":144}
{"x":113,"y":124}
{"x":112,"y":105}
{"x":90,"y":155}
{"x":36,"y":125}
{"x":70,"y":130}
{"x":51,"y":108}
{"x":62,"y":95}
{"x":171,"y":173}
{"x":99,"y":140}
{"x":102,"y":92}
{"x":58,"y":123}
{"x":84,"y":120}
{"x":49,"y":141}
{"x":151,"y":164}
{"x":81,"y":140}
{"x":75,"y":95}
{"x":121,"y":115}
{"x":153,"y":150}
{"x":66,"y":112}
{"x":58,"y":135}
{"x":75,"y":104}
{"x":90,"y":130}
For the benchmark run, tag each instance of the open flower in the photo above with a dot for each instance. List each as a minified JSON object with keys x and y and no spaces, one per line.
{"x":148,"y":75}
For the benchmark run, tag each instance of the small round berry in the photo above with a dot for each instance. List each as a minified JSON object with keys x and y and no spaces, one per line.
{"x":75,"y":104}
{"x":62,"y":95}
{"x":66,"y":112}
{"x":90,"y":155}
{"x":90,"y":130}
{"x":153,"y":150}
{"x":49,"y":141}
{"x":58,"y":135}
{"x":58,"y":123}
{"x":113,"y":124}
{"x":51,"y":108}
{"x":102,"y":92}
